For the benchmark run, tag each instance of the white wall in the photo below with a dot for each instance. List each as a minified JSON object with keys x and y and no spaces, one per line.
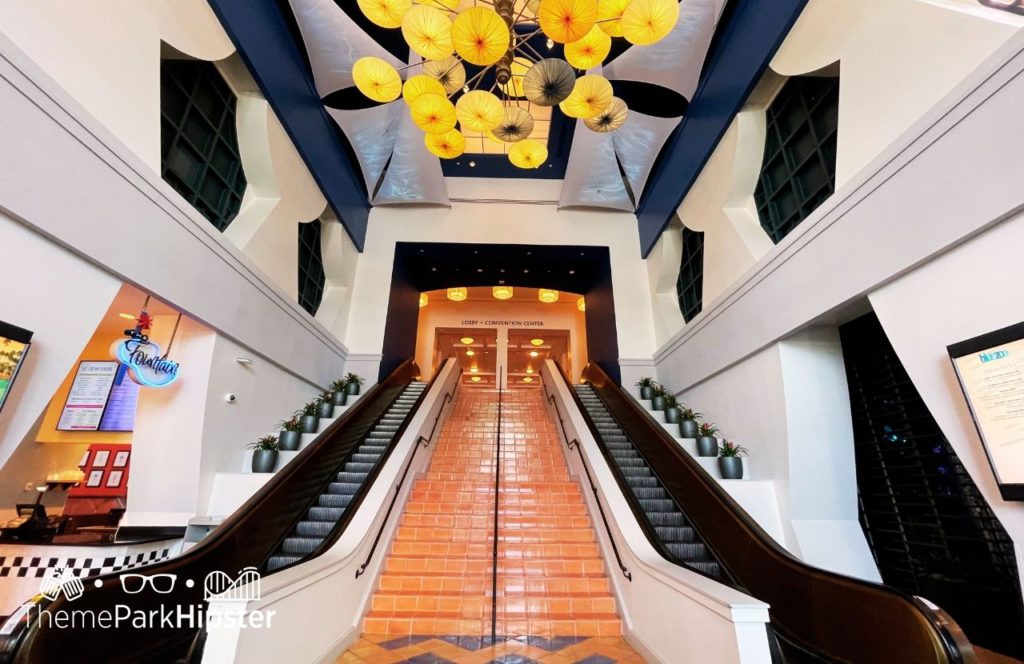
{"x":921,"y":178}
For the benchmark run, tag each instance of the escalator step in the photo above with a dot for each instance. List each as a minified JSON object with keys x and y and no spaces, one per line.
{"x":625,"y":454}
{"x":354,"y":478}
{"x":300,"y":545}
{"x":645,"y":482}
{"x":655,"y":505}
{"x":631,"y":462}
{"x":365,"y":458}
{"x":354,"y":467}
{"x":319,"y":529}
{"x":334,"y":500}
{"x":711,"y":569}
{"x":656,"y":493}
{"x":332,"y":514}
{"x":672,"y":518}
{"x":277,"y":562}
{"x":676,"y":534}
{"x":343,"y":488}
{"x":372,"y":449}
{"x":636,"y":471}
{"x":688,"y":551}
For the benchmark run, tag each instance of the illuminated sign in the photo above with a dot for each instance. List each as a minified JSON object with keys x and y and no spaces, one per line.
{"x":146,"y":366}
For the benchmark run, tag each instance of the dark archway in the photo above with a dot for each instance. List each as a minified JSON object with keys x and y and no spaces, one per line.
{"x":426,"y":266}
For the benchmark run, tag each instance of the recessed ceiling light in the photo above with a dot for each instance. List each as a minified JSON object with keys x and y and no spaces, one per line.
{"x":528,"y":379}
{"x":470,"y":353}
{"x":466,"y":340}
{"x":475,"y":379}
{"x":474,"y":370}
{"x":472,"y":164}
{"x":529,"y":370}
{"x":127,"y":316}
{"x":534,"y":353}
{"x":537,"y":342}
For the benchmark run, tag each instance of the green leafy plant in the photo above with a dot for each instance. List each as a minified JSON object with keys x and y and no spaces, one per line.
{"x":325,"y":398}
{"x":690,"y":414}
{"x":708,"y":429}
{"x":731,"y":449}
{"x":266,"y":444}
{"x":338,"y":385}
{"x":646,"y":381}
{"x":291,"y":424}
{"x":309,"y":408}
{"x":671,"y":401}
{"x":659,"y":390}
{"x":351,"y":378}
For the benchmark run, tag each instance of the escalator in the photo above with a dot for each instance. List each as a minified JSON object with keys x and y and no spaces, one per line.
{"x":816,"y":615}
{"x":300,"y":513}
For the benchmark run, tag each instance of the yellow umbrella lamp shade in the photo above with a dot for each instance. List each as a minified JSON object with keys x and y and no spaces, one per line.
{"x":565,"y":21}
{"x":609,"y":16}
{"x":385,"y":13}
{"x":529,"y":153}
{"x":377,"y":79}
{"x":447,"y":4}
{"x":428,"y":31}
{"x":480,"y":35}
{"x":515,"y":126}
{"x":610,"y":118}
{"x":589,"y":51}
{"x":449,"y":72}
{"x":479,"y":110}
{"x":591,"y":95}
{"x":421,"y":84}
{"x":648,"y":21}
{"x":433,"y":114}
{"x":448,"y":145}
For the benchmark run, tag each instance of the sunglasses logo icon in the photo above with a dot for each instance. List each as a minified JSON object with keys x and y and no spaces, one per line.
{"x":162,"y":584}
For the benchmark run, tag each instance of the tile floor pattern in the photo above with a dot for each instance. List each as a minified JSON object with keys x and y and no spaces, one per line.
{"x":554,"y":603}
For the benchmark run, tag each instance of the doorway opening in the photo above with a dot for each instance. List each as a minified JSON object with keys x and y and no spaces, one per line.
{"x":502,"y":342}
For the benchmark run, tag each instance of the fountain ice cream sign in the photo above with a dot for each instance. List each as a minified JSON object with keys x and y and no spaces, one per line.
{"x":146,"y":365}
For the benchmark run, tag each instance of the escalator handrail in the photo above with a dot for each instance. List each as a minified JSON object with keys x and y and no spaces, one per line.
{"x":272,"y":507}
{"x":820,"y":610}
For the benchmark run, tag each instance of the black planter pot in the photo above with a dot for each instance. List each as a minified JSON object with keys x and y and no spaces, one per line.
{"x":289,"y":440}
{"x":707,"y":446}
{"x":338,"y":399}
{"x":673,"y":415}
{"x":658,"y":402}
{"x":352,"y":388}
{"x":310,"y":423}
{"x":264,"y":461}
{"x":325,"y":410}
{"x":731,"y":468}
{"x":688,"y":429}
{"x":646,"y":393}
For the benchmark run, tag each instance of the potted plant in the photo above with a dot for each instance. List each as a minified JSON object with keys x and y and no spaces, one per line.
{"x":730,"y":462}
{"x":338,"y":390}
{"x":308,"y":417}
{"x":352,"y":384}
{"x":291,"y":434}
{"x":707,"y":442}
{"x":658,"y":398}
{"x":646,"y":385}
{"x":264,"y":454}
{"x":688,"y":423}
{"x":672,"y":411}
{"x":325,"y":406}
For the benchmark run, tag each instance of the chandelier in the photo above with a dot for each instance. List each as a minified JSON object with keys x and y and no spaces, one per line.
{"x":494,"y":38}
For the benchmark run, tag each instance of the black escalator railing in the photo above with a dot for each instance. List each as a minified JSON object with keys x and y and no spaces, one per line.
{"x":246,"y":539}
{"x":836,"y":618}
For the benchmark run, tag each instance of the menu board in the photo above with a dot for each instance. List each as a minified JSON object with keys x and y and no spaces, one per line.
{"x":88,"y":396}
{"x":14,"y":344}
{"x":991,"y":372}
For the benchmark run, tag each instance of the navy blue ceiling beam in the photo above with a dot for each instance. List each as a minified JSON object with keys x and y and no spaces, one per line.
{"x":261,"y":35}
{"x":754,"y":32}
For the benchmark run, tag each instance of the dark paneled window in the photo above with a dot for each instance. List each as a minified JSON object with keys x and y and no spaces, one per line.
{"x":799,"y":168}
{"x":691,"y":274}
{"x":930,"y":529}
{"x":199,"y":147}
{"x":311,"y":267}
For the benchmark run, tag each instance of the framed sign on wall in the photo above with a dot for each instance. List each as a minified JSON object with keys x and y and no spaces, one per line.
{"x":990,"y":369}
{"x":14,"y":345}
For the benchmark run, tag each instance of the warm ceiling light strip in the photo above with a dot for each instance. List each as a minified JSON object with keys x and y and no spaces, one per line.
{"x":458,"y":294}
{"x":547,"y":296}
{"x":502,"y":292}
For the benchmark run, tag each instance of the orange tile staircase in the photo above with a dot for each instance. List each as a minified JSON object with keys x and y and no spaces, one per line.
{"x":551,"y":581}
